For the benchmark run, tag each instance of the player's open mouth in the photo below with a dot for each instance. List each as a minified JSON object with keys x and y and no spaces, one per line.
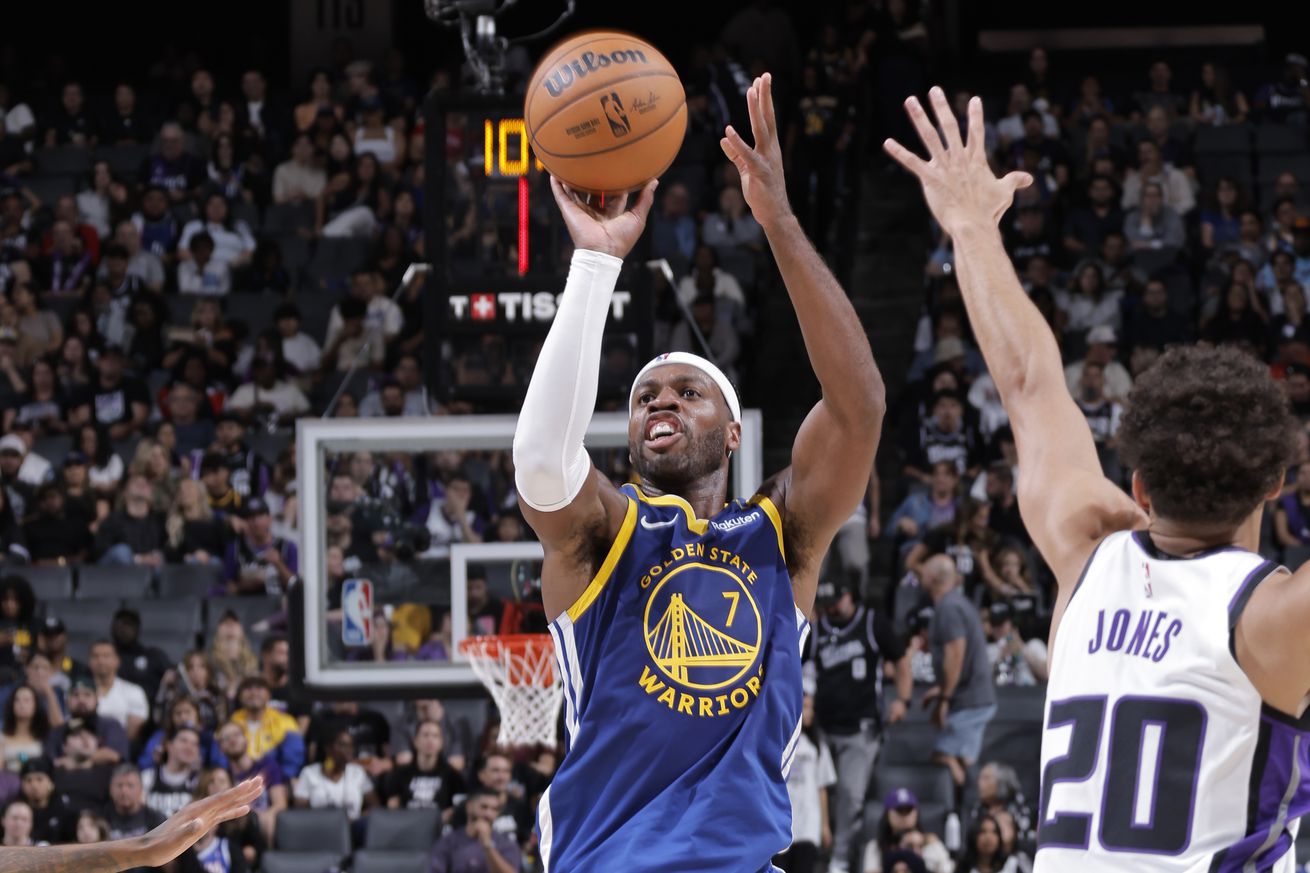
{"x":662,"y":431}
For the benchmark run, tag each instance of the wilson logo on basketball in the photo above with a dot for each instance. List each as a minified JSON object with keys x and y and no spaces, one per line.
{"x":614,"y":114}
{"x":586,"y":63}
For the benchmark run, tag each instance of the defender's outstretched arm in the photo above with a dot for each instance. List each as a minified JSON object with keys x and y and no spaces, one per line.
{"x":1067,"y":504}
{"x":834,"y":448}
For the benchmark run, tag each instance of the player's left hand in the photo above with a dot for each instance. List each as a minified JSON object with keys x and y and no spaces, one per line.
{"x":613,"y":229}
{"x":762,"y":182}
{"x":959,"y":185}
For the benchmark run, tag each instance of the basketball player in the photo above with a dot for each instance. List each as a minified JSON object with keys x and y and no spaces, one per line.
{"x":678,"y":617}
{"x":1176,"y":734}
{"x":154,"y":849}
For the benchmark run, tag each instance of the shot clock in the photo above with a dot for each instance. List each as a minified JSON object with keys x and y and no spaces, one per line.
{"x":500,"y":254}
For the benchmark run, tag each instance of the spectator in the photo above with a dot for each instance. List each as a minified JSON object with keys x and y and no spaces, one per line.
{"x":1153,"y":324}
{"x":257,"y":561}
{"x":1175,"y":188}
{"x":1010,"y":128}
{"x":43,"y":409}
{"x":1087,"y":226}
{"x":999,"y":793}
{"x":299,"y":349}
{"x":142,"y":664}
{"x":124,"y":123}
{"x":1090,"y":303}
{"x":353,"y":198}
{"x":336,"y":781}
{"x":234,"y":846}
{"x":673,"y":228}
{"x":67,"y":268}
{"x":1102,"y":345}
{"x":118,"y":699}
{"x":269,"y":731}
{"x":1216,"y":101}
{"x":233,"y":243}
{"x":118,"y":403}
{"x":383,"y":319}
{"x":25,"y":728}
{"x":52,"y":820}
{"x":181,"y":712}
{"x":1014,"y":660}
{"x":1030,"y":237}
{"x":192,"y":680}
{"x":900,"y":817}
{"x":735,"y":236}
{"x":200,"y":273}
{"x":964,"y":701}
{"x":128,"y":815}
{"x":134,"y":534}
{"x":250,"y":472}
{"x":81,"y":775}
{"x":242,"y":766}
{"x":1239,"y":322}
{"x":1221,"y":223}
{"x":373,"y":136}
{"x":230,"y":654}
{"x":93,"y":204}
{"x":71,"y":124}
{"x":477,"y":847}
{"x":39,"y":330}
{"x":1292,"y":511}
{"x":17,"y":620}
{"x":91,"y":827}
{"x":852,"y":648}
{"x":369,"y":730}
{"x":171,"y":171}
{"x":126,"y":260}
{"x":171,"y":784}
{"x":427,"y":781}
{"x":348,"y":343}
{"x":298,"y":179}
{"x":715,"y":325}
{"x":706,"y":277}
{"x":216,"y":475}
{"x":984,"y":852}
{"x":1285,"y":101}
{"x":1159,"y":93}
{"x":17,"y":825}
{"x":226,"y":175}
{"x":970,"y":542}
{"x":269,"y":395}
{"x":1102,"y":417}
{"x":51,"y":697}
{"x":944,"y":436}
{"x":193,"y":534}
{"x":19,"y":495}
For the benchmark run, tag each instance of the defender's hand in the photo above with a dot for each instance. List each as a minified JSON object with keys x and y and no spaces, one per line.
{"x":193,"y":821}
{"x":960,"y":188}
{"x":613,"y":230}
{"x":762,"y":182}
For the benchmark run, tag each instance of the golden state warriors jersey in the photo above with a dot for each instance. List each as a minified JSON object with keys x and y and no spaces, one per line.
{"x":681,"y":664}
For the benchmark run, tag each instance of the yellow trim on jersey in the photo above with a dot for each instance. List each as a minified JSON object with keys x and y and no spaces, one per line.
{"x":597,"y":583}
{"x":774,"y":516}
{"x":696,"y":525}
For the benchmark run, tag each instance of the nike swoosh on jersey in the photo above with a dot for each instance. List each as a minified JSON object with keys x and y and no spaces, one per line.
{"x":652,"y":525}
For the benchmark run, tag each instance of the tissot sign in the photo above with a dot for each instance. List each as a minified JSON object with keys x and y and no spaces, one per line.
{"x":517,"y":307}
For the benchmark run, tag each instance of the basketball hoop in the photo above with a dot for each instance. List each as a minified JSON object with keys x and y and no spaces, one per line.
{"x":520,"y":672}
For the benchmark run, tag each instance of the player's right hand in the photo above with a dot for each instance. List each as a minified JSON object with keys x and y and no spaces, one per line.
{"x":613,"y":230}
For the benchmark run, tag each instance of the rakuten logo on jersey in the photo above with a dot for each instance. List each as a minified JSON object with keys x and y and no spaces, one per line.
{"x":522,"y":306}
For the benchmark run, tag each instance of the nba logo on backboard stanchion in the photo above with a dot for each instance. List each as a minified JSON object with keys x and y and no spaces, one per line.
{"x":356,"y":612}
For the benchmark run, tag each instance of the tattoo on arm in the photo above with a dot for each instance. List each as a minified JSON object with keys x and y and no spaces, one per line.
{"x":95,"y":858}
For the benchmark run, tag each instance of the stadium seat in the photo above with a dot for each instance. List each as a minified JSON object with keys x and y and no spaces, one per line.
{"x":94,"y":580}
{"x":175,"y":615}
{"x":48,"y":189}
{"x":48,"y":582}
{"x":1222,"y":139}
{"x":1279,"y":138}
{"x":295,"y":259}
{"x":172,"y":644}
{"x":126,"y":447}
{"x":907,"y":743}
{"x":269,"y":446}
{"x":1017,"y":742}
{"x":376,"y":861}
{"x":85,"y":616}
{"x":312,"y":830}
{"x":1272,"y":166}
{"x":325,"y":390}
{"x":1236,"y":166}
{"x":402,"y":829}
{"x":931,"y":783}
{"x":125,"y":159}
{"x":67,"y":160}
{"x":287,"y":218}
{"x":250,"y":610}
{"x":244,"y":210}
{"x":179,"y":308}
{"x":188,"y":580}
{"x":335,"y":259}
{"x":256,"y":310}
{"x":300,"y":862}
{"x":1022,"y":702}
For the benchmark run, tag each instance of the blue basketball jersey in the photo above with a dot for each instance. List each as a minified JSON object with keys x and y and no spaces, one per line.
{"x":681,"y":665}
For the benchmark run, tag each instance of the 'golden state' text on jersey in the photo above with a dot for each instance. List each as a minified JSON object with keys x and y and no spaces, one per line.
{"x":682,"y":694}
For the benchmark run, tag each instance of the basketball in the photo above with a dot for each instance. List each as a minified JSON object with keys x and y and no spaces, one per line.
{"x":605,"y":112}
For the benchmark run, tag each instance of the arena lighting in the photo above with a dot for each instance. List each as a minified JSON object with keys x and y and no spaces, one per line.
{"x":484,"y":48}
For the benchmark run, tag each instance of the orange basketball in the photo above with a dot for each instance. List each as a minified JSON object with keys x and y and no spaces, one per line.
{"x":605,"y":112}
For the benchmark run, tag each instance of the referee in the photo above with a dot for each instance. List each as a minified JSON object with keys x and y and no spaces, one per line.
{"x":851,"y":646}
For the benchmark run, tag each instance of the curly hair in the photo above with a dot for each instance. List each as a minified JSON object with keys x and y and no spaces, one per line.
{"x":1209,"y":432}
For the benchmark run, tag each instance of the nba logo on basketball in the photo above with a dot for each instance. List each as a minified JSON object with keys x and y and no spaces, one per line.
{"x":614,"y":114}
{"x":356,"y":612}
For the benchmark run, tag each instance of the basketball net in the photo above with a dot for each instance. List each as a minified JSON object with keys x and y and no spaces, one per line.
{"x":520,"y":672}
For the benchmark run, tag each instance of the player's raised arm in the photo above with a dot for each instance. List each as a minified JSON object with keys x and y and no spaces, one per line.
{"x":574,"y":509}
{"x":834,"y":448}
{"x":1067,"y":504}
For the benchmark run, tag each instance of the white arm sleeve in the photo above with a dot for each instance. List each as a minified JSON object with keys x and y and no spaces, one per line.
{"x":550,"y":463}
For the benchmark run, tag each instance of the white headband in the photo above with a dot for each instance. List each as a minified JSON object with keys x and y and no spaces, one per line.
{"x":705,"y":366}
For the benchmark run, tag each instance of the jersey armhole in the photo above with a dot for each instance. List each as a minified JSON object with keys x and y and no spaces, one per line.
{"x":602,"y":575}
{"x":1087,"y":566}
{"x":775,"y":518}
{"x":1254,"y":579}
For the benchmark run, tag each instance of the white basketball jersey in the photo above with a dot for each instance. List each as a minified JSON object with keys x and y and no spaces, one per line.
{"x":1158,"y":754}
